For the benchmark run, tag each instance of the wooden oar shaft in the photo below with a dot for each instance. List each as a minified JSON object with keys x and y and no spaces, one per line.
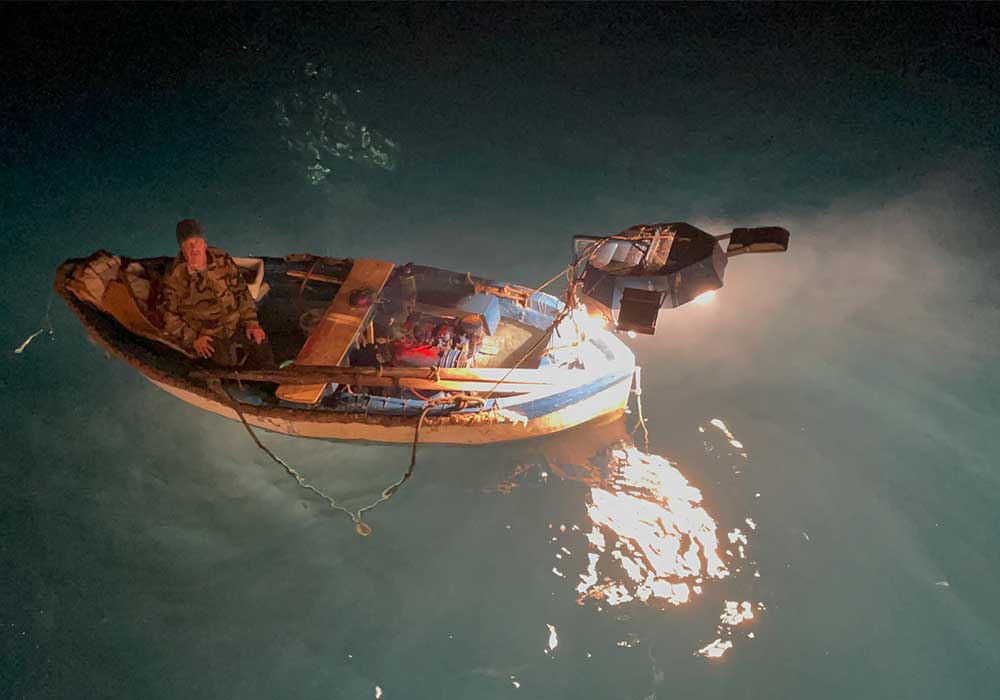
{"x":450,"y":379}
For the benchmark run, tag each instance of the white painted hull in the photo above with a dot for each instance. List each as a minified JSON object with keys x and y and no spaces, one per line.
{"x":457,"y":430}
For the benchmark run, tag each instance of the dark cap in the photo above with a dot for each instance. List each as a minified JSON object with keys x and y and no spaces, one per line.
{"x":189,"y":228}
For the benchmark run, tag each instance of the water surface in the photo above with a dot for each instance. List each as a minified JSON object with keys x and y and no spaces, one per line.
{"x":823,"y":437}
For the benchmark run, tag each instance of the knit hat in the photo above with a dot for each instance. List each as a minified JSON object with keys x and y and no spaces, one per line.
{"x":189,"y":228}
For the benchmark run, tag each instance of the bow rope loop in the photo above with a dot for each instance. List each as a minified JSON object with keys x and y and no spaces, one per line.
{"x":292,"y":472}
{"x":460,"y":401}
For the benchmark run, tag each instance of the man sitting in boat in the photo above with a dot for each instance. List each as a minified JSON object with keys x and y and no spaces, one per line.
{"x":207,"y":308}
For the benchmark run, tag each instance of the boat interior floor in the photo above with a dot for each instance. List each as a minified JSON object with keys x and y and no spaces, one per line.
{"x":509,"y":344}
{"x":284,"y":325}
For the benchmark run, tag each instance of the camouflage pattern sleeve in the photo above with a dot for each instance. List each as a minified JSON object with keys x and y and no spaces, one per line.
{"x":172,"y":293}
{"x":244,"y":301}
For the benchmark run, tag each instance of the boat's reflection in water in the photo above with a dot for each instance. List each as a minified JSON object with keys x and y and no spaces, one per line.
{"x":648,"y":536}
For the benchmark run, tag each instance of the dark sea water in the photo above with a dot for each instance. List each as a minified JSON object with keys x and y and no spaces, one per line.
{"x":149,"y":550}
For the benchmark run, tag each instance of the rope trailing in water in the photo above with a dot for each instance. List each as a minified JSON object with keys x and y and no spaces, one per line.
{"x":638,"y":401}
{"x":460,"y":401}
{"x":46,"y":326}
{"x":360,"y":526}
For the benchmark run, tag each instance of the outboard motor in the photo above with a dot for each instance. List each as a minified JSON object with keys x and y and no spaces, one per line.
{"x":630,"y":276}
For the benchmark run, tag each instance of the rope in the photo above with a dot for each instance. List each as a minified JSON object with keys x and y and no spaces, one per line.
{"x":638,"y":401}
{"x":389,"y":492}
{"x":570,"y":272}
{"x":458,"y":400}
{"x":559,"y":317}
{"x":559,"y":274}
{"x":571,"y":277}
{"x":360,"y":526}
{"x":417,"y":393}
{"x":47,"y":326}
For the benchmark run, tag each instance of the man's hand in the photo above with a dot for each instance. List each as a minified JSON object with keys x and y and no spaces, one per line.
{"x":203,"y":346}
{"x":256,"y":333}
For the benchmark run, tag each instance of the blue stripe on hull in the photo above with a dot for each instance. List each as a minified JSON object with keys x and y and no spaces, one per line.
{"x":556,"y":402}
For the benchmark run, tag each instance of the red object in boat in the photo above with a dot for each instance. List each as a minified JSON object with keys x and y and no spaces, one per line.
{"x":415,"y":355}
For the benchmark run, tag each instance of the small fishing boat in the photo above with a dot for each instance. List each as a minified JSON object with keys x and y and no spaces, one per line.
{"x":370,"y":350}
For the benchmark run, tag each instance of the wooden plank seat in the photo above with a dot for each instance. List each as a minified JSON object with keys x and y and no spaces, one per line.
{"x":338,"y":328}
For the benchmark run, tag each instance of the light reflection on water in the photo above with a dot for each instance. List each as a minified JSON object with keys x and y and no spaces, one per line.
{"x":648,"y":538}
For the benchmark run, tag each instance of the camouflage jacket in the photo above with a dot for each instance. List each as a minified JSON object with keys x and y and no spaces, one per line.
{"x":212,"y":302}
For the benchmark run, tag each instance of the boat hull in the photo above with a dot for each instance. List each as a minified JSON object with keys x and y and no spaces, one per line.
{"x":564,"y":398}
{"x":462,"y":429}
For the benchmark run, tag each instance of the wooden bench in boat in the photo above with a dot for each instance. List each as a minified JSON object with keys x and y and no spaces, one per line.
{"x":338,"y":328}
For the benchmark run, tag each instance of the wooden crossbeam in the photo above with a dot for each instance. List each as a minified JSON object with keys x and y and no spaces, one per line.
{"x":338,"y":327}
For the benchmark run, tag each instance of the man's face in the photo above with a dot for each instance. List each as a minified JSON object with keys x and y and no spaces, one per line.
{"x":193,"y":250}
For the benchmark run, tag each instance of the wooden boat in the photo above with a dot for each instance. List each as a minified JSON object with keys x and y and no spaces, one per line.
{"x":370,"y":350}
{"x":524,"y":366}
